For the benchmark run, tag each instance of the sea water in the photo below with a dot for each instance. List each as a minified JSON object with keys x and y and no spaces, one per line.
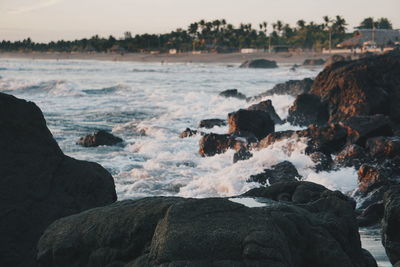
{"x":148,"y":105}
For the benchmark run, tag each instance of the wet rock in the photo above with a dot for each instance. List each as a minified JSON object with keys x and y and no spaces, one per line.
{"x":291,"y":87}
{"x":307,"y":109}
{"x":267,"y":107}
{"x":275,"y":137}
{"x":284,"y":171}
{"x":323,"y":162}
{"x":371,"y":177}
{"x":383,"y":147}
{"x":187,"y":133}
{"x":352,"y":156}
{"x":99,"y":138}
{"x":210,"y":123}
{"x":259,"y":64}
{"x":333,"y":59}
{"x":242,"y":154}
{"x":256,"y":122}
{"x":39,"y":184}
{"x":163,"y":231}
{"x":390,"y":224}
{"x":372,"y":215}
{"x":361,"y":87}
{"x":232,"y":93}
{"x":212,"y":144}
{"x":313,"y":62}
{"x":360,"y":128}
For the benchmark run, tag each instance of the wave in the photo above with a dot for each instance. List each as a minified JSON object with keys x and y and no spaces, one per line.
{"x":106,"y":90}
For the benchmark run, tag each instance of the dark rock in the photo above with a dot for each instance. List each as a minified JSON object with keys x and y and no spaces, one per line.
{"x":361,"y":87}
{"x":284,"y":171}
{"x":307,"y":109}
{"x":39,"y":184}
{"x":242,"y":154}
{"x":259,"y":64}
{"x":333,"y":59}
{"x":275,"y":137}
{"x":383,"y":147}
{"x":267,"y":107}
{"x":352,"y":155}
{"x":210,"y":123}
{"x":166,"y":231}
{"x":232,"y":93}
{"x":291,"y":87}
{"x":256,"y":122}
{"x":371,"y":215}
{"x":323,"y":162}
{"x":360,"y":128}
{"x":187,"y":133}
{"x":390,"y":224}
{"x":212,"y":144}
{"x":371,"y":177}
{"x":314,"y":62}
{"x":99,"y":138}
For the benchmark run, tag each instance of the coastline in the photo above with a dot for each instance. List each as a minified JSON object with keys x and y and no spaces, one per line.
{"x":285,"y":58}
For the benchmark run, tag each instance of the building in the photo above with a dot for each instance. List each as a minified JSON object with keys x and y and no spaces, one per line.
{"x":372,"y":37}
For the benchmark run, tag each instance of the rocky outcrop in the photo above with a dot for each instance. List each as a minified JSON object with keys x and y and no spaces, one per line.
{"x":187,"y":133}
{"x":256,"y":122}
{"x":232,"y":93}
{"x":291,"y":87}
{"x":211,"y":123}
{"x":352,"y":155}
{"x":259,"y":64}
{"x":167,"y":231}
{"x":284,"y":171}
{"x":334,"y":59}
{"x":390,"y":224}
{"x":313,"y":62}
{"x":38,"y":183}
{"x":267,"y":107}
{"x":361,"y":87}
{"x":99,"y":138}
{"x":307,"y":109}
{"x":383,"y":147}
{"x":212,"y":144}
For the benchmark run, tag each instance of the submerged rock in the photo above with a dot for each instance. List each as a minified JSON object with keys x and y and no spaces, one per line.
{"x":390,"y":224}
{"x":313,"y":62}
{"x":284,"y":171}
{"x":256,"y":122}
{"x":99,"y":138}
{"x":242,"y":154}
{"x":168,"y":231}
{"x":267,"y":107}
{"x":307,"y":109}
{"x":39,"y":184}
{"x":291,"y":87}
{"x":259,"y":64}
{"x":211,"y":123}
{"x":187,"y":133}
{"x":232,"y":93}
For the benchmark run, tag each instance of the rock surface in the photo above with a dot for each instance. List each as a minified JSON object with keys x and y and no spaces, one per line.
{"x":256,"y":122}
{"x":259,"y":64}
{"x":334,"y":59}
{"x":390,"y":224}
{"x":291,"y":87}
{"x":212,"y":144}
{"x":167,"y":231}
{"x":314,"y":62}
{"x":210,"y":123}
{"x":267,"y":107}
{"x":187,"y":133}
{"x":284,"y":171}
{"x":99,"y":138}
{"x":307,"y":109}
{"x":38,"y":183}
{"x":232,"y":93}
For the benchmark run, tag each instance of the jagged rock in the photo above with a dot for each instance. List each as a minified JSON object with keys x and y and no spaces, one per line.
{"x":383,"y":147}
{"x":187,"y":133}
{"x":390,"y":224}
{"x":38,"y":183}
{"x":333,"y":59}
{"x":371,"y":215}
{"x":99,"y":138}
{"x":242,"y":154}
{"x":275,"y":137}
{"x":291,"y":87}
{"x":232,"y":93}
{"x":210,"y":123}
{"x":267,"y":106}
{"x":284,"y":171}
{"x":314,"y":62}
{"x":307,"y":109}
{"x":212,"y":144}
{"x":259,"y":64}
{"x":371,"y":177}
{"x":167,"y":231}
{"x":361,"y":87}
{"x":352,"y":155}
{"x":360,"y":128}
{"x":256,"y":122}
{"x":323,"y":162}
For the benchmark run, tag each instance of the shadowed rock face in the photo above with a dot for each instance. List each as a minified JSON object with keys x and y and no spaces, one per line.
{"x":211,"y":144}
{"x":99,"y":138}
{"x":281,"y":172}
{"x":38,"y":183}
{"x":362,"y":87}
{"x":259,"y":64}
{"x":267,"y":106}
{"x":307,"y":109}
{"x":390,"y":224}
{"x":210,"y":123}
{"x":256,"y":122}
{"x":166,"y":231}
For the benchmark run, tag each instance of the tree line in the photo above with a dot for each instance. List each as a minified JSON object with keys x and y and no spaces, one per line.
{"x":216,"y":35}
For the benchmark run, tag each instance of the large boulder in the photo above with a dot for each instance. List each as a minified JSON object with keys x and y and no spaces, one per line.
{"x":291,"y":87}
{"x":390,"y":224}
{"x":212,"y":144}
{"x":307,"y":109}
{"x":38,"y":183}
{"x":284,"y":171}
{"x":167,"y":231}
{"x":256,"y":122}
{"x":366,"y":86}
{"x":267,"y":106}
{"x":99,"y":138}
{"x":259,"y":64}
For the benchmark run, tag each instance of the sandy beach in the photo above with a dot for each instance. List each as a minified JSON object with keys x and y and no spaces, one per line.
{"x":295,"y":58}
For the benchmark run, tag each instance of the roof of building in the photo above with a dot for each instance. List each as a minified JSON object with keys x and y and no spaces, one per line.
{"x":380,"y":36}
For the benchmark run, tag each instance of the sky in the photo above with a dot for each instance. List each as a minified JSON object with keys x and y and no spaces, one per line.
{"x":47,"y":20}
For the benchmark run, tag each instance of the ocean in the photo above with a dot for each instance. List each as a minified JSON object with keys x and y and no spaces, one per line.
{"x":148,"y":105}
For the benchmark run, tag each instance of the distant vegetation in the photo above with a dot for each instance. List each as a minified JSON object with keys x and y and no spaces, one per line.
{"x":217,"y":35}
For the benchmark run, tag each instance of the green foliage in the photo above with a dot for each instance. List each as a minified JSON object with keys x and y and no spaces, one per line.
{"x":370,"y":23}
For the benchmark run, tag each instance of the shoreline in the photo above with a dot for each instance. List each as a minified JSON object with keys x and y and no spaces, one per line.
{"x":285,"y":58}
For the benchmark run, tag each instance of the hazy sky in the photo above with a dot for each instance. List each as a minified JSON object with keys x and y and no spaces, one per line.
{"x":45,"y":20}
